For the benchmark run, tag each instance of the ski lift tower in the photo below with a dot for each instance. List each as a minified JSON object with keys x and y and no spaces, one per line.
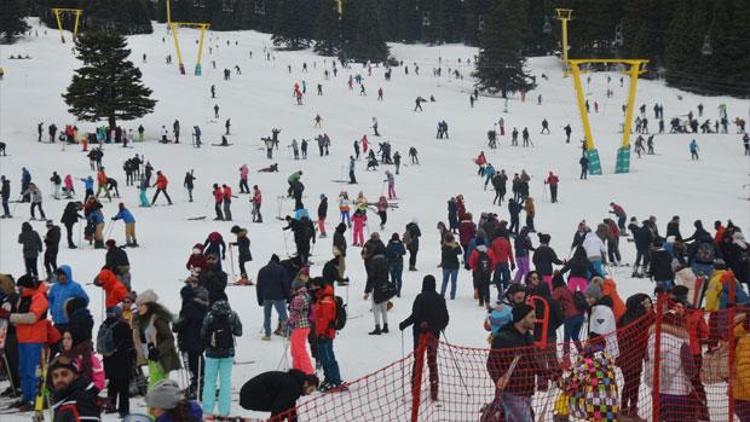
{"x":58,"y":11}
{"x":174,"y":28}
{"x":564,"y":16}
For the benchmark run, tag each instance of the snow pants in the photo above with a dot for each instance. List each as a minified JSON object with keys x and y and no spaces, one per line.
{"x":328,"y":360}
{"x":579,"y":284}
{"x":218,"y":368}
{"x":380,"y":312}
{"x":30,"y":355}
{"x":298,"y":346}
{"x":523,"y":268}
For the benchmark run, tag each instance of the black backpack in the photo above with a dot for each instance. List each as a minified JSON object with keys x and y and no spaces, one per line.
{"x":340,"y":322}
{"x":484,"y":267}
{"x":579,"y":300}
{"x":220,"y":333}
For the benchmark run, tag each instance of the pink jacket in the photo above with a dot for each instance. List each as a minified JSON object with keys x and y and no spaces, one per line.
{"x":68,"y":182}
{"x":97,"y":371}
{"x":358,"y":221}
{"x":243,"y":172}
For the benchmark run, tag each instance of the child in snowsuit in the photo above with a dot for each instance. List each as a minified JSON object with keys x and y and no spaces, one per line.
{"x":358,"y":220}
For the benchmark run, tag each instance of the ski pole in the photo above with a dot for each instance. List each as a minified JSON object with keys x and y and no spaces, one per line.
{"x":455,"y":362}
{"x":231,"y":264}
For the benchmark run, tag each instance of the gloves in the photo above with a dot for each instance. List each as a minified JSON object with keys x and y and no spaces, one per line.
{"x":402,"y":326}
{"x":4,"y":313}
{"x":153,"y":353}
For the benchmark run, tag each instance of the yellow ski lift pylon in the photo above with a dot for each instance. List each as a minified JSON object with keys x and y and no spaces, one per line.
{"x":174,"y":27}
{"x":58,"y":11}
{"x":623,"y":153}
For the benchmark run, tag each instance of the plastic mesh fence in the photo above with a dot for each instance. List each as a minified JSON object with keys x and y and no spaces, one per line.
{"x":612,"y":377}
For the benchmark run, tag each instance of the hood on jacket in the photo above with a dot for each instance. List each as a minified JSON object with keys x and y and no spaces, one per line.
{"x":221,"y":308}
{"x":65,"y":269}
{"x":428,"y":283}
{"x":326,"y":290}
{"x":26,"y":227}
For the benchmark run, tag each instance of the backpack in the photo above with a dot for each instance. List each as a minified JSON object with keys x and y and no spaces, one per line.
{"x":220,"y":333}
{"x":579,"y":300}
{"x":340,"y":321}
{"x":484,"y":267}
{"x":705,"y":253}
{"x":105,"y":340}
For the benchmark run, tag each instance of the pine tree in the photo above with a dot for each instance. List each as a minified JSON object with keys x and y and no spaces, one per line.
{"x":327,"y":30}
{"x":292,"y":26}
{"x":108,"y":85}
{"x":361,"y":32}
{"x":12,"y":21}
{"x":500,"y":67}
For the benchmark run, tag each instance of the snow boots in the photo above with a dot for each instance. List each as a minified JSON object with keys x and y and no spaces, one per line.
{"x":376,"y":331}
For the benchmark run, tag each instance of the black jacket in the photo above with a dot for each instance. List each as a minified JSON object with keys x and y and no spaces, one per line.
{"x":506,"y":345}
{"x":118,"y":365}
{"x":52,"y":239}
{"x":5,"y":190}
{"x":377,"y":279}
{"x":70,"y":215}
{"x":673,"y":229}
{"x":77,"y":402}
{"x":415,"y":233}
{"x":643,"y":238}
{"x":188,"y":325}
{"x":661,"y":265}
{"x":544,"y":257}
{"x":339,"y":241}
{"x":449,"y":256}
{"x":272,"y":391}
{"x":273,"y":283}
{"x":428,"y":312}
{"x":579,"y":266}
{"x":116,"y":257}
{"x":214,"y":280}
{"x":323,"y":209}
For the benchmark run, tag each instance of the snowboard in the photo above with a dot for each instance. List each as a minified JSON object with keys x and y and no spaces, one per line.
{"x":202,"y":217}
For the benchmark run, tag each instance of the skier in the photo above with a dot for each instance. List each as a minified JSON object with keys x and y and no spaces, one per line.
{"x":552,"y":181}
{"x":568,"y":131}
{"x":176,"y":131}
{"x":227,"y":126}
{"x":514,"y":137}
{"x":694,"y":150}
{"x":36,"y":200}
{"x":413,"y":155}
{"x":244,"y":171}
{"x":161,"y":187}
{"x":127,"y":218}
{"x":216,"y":111}
{"x":545,"y":126}
{"x":382,"y":208}
{"x":418,"y":103}
{"x":397,"y":160}
{"x":189,"y":184}
{"x":5,"y":195}
{"x":303,"y":148}
{"x":317,"y":121}
{"x":243,"y":253}
{"x":584,"y":162}
{"x":525,"y":135}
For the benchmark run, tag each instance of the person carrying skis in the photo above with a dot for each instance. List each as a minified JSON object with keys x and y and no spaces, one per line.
{"x":220,"y":327}
{"x":243,"y":253}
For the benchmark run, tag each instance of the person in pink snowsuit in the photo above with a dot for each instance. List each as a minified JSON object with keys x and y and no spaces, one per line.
{"x":358,"y":222}
{"x":365,"y":144}
{"x":391,"y":184}
{"x":68,"y":185}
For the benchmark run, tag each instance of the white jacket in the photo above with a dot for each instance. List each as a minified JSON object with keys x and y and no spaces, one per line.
{"x":672,"y":377}
{"x":594,"y":246}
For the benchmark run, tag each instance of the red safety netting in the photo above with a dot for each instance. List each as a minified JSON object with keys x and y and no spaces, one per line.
{"x":670,"y":365}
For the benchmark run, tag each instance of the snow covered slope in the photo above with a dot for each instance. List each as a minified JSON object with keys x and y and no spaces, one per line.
{"x":663,"y":185}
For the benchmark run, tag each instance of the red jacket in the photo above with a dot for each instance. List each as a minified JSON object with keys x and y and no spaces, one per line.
{"x":114,"y":290}
{"x":325,"y":312}
{"x":697,"y":330}
{"x":503,"y":251}
{"x":218,"y":195}
{"x":481,"y":160}
{"x":474,"y":257}
{"x":553,"y":180}
{"x":161,"y":181}
{"x":227,"y":193}
{"x":466,"y":231}
{"x":35,"y":332}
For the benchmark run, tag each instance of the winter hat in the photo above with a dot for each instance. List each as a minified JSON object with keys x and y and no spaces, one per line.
{"x":198,"y":246}
{"x":594,"y":291}
{"x":28,"y":281}
{"x":63,"y":361}
{"x":234,"y":229}
{"x":148,"y":296}
{"x":110,"y":243}
{"x":520,"y":311}
{"x":304,"y":271}
{"x":166,"y":394}
{"x":322,"y":196}
{"x":50,"y":223}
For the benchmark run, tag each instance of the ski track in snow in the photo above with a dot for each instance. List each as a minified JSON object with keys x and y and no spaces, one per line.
{"x":261,"y":98}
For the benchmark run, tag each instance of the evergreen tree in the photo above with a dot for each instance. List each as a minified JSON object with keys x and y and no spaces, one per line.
{"x":108,"y":85}
{"x":12,"y":21}
{"x":500,"y":67}
{"x":327,"y":30}
{"x":361,"y":32}
{"x":292,"y":26}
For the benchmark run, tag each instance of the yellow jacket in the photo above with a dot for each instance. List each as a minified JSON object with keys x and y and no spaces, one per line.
{"x":713,"y":292}
{"x":742,"y":363}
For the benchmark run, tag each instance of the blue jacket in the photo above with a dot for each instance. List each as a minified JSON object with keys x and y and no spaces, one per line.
{"x":302,"y":212}
{"x":125,"y":215}
{"x":88,"y":183}
{"x":96,"y":217}
{"x":25,"y":176}
{"x":61,"y":293}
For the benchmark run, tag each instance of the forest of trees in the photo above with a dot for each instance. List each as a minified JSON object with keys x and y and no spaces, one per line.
{"x":697,"y":45}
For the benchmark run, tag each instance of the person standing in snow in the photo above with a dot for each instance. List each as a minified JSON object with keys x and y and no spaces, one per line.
{"x":621,"y":215}
{"x":243,"y":253}
{"x":127,"y":218}
{"x":411,"y":241}
{"x":584,"y":162}
{"x":220,"y":327}
{"x":218,"y":200}
{"x":161,"y":187}
{"x":256,"y":201}
{"x":189,"y":184}
{"x":694,"y":150}
{"x":244,"y":171}
{"x":322,"y":215}
{"x":552,"y":181}
{"x":299,"y":322}
{"x":227,"y":198}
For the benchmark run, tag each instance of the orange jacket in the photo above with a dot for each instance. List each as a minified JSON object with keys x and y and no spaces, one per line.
{"x":101,"y":177}
{"x":36,"y":331}
{"x":325,"y":313}
{"x":161,"y":181}
{"x":114,"y":290}
{"x":610,"y":289}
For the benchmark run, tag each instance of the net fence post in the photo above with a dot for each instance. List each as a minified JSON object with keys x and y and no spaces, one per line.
{"x":657,"y":358}
{"x":730,"y":356}
{"x":416,"y":386}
